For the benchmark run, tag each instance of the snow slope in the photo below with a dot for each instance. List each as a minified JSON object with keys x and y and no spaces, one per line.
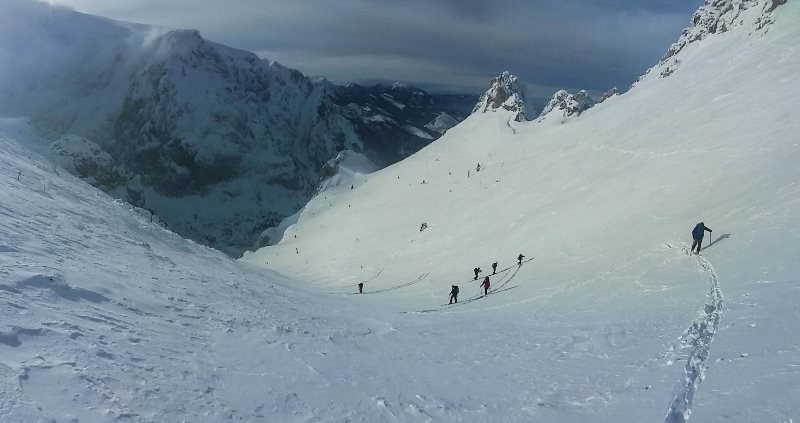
{"x":611,"y":321}
{"x":107,"y":316}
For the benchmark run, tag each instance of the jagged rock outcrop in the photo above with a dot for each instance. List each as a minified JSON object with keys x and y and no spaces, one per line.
{"x":716,"y":16}
{"x":565,"y":104}
{"x":85,"y":159}
{"x":608,"y":94}
{"x":505,"y":92}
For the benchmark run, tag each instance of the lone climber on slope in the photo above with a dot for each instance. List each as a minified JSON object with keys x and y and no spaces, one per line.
{"x":697,"y":235}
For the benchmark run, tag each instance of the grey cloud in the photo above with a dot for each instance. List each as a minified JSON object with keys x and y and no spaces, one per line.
{"x":455,"y":43}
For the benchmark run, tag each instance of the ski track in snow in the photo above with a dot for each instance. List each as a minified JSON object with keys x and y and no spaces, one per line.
{"x":697,"y":338}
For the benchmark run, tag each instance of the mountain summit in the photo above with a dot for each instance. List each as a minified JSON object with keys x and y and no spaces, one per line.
{"x":507,"y":93}
{"x":717,"y":17}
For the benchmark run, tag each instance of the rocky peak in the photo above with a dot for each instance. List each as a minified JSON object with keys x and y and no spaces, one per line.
{"x":568,"y":104}
{"x":608,"y":94}
{"x":507,"y":93}
{"x":717,"y":16}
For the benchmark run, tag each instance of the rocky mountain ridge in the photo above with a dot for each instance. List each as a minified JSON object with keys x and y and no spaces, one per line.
{"x":568,"y":104}
{"x":716,"y":17}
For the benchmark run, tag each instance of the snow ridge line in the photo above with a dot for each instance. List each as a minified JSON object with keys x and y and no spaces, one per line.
{"x":698,"y":337}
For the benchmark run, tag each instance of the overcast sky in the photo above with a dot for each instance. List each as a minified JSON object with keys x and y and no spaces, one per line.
{"x":455,"y":45}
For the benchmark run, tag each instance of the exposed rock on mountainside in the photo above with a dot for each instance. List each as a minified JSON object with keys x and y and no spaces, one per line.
{"x":397,"y":120}
{"x":85,"y":159}
{"x":507,"y":93}
{"x":717,"y":16}
{"x":567,"y":104}
{"x":608,"y":94}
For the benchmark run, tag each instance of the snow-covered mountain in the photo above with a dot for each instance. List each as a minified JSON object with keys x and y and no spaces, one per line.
{"x":398,"y":120}
{"x":564,"y":104}
{"x":217,"y":142}
{"x":505,"y":93}
{"x":717,"y":17}
{"x":612,"y":320}
{"x":108,"y":316}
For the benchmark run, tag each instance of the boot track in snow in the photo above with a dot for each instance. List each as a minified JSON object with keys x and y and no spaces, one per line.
{"x":499,"y":288}
{"x":407,"y":284}
{"x":697,"y":338}
{"x":515,"y":267}
{"x":419,"y":279}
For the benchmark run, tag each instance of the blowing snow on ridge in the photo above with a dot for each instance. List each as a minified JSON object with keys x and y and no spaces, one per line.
{"x":595,"y":308}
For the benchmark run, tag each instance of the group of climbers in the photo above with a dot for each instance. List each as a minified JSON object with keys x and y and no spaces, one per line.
{"x":485,"y":284}
{"x":697,"y":235}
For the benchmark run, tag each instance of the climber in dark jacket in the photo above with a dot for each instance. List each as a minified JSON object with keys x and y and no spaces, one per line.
{"x":697,"y":235}
{"x":454,"y":294}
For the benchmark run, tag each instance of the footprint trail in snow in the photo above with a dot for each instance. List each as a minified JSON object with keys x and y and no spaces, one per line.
{"x":697,"y":339}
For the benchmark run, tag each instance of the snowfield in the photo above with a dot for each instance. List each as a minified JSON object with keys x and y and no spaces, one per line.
{"x":107,"y":316}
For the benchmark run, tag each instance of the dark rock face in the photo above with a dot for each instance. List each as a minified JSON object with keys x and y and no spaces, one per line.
{"x":194,"y":118}
{"x":87,"y":160}
{"x":608,"y":94}
{"x":397,"y":120}
{"x":505,"y":93}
